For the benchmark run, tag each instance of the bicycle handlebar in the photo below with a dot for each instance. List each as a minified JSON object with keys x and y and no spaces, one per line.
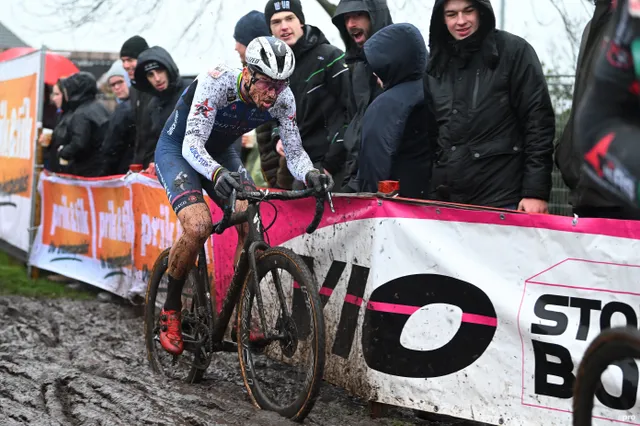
{"x":259,"y":195}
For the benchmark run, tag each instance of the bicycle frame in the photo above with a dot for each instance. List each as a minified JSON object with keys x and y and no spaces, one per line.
{"x":254,"y":241}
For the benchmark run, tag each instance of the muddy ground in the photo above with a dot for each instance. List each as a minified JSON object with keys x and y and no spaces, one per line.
{"x":83,"y":363}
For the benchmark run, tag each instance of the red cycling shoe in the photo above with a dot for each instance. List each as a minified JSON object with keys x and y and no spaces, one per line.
{"x":171,"y":332}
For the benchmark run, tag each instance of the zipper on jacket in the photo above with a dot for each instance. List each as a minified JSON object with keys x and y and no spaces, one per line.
{"x":475,"y":89}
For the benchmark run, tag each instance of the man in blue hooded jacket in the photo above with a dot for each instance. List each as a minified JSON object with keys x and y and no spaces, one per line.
{"x":395,"y":142}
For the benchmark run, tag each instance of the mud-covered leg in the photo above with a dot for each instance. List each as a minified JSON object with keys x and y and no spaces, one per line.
{"x":197,"y":227}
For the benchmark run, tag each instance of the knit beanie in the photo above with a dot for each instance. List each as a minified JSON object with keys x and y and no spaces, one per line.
{"x":250,"y":26}
{"x":133,"y":47}
{"x":118,"y":70}
{"x":275,"y":6}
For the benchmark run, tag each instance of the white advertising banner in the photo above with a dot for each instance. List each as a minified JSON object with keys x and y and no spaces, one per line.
{"x":20,"y":95}
{"x":474,"y":314}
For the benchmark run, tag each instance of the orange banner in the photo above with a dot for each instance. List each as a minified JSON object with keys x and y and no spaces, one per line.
{"x":156,"y":224}
{"x":17,"y":131}
{"x":115,"y":226}
{"x":67,"y":219}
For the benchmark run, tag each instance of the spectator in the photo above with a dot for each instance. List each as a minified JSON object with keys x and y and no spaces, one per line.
{"x":320,"y":84}
{"x":357,"y":21}
{"x":495,"y":118}
{"x":117,"y":148}
{"x":261,"y":159}
{"x":60,"y":130}
{"x":156,"y":73}
{"x":87,"y":125}
{"x":394,"y":127}
{"x":587,"y":198}
{"x":129,"y":53}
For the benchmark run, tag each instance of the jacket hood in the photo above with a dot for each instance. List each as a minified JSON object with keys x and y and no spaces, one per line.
{"x":378,"y":13}
{"x":78,"y":88}
{"x":312,"y":37}
{"x":441,"y":42}
{"x":438,"y":32}
{"x":397,"y":53}
{"x":160,"y":55}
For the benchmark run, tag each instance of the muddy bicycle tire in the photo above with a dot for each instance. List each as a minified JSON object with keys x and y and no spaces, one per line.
{"x":159,"y":269}
{"x":611,"y":345}
{"x":285,"y":259}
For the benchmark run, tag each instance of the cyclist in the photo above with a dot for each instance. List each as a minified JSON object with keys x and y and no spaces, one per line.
{"x":608,"y":117}
{"x":195,"y":151}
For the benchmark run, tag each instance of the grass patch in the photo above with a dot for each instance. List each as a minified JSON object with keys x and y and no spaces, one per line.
{"x":14,"y":281}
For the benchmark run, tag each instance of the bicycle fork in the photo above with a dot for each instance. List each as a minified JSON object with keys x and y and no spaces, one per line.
{"x":266,"y":337}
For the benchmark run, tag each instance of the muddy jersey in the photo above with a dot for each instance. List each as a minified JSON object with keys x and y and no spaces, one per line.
{"x":211,"y":115}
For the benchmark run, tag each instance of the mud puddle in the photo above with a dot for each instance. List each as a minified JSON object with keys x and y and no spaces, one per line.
{"x":84,"y":363}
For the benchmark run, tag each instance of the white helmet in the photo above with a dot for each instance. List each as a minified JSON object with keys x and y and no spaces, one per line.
{"x":271,"y":57}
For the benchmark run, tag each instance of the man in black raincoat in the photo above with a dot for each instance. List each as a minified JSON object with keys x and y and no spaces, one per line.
{"x":496,"y":123}
{"x":87,"y":125}
{"x":395,"y":127}
{"x":357,"y":21}
{"x":320,"y":84}
{"x":156,"y":73}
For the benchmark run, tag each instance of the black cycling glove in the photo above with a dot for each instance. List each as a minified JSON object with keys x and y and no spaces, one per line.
{"x":225,"y":182}
{"x":319,"y":182}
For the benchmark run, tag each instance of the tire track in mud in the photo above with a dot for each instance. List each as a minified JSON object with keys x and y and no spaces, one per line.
{"x":84,"y":363}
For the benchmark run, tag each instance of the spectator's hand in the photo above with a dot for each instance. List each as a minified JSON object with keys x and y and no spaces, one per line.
{"x":151,"y":169}
{"x":533,"y":205}
{"x":225,"y":182}
{"x":326,"y":172}
{"x":280,"y":148}
{"x":320,"y":183}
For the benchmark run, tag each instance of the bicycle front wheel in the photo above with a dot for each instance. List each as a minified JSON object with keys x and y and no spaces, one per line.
{"x":281,"y":338}
{"x":614,"y":344}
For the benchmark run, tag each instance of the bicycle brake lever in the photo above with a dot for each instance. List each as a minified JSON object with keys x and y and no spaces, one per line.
{"x":329,"y":199}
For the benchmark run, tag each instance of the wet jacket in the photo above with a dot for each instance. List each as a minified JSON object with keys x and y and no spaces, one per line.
{"x":320,"y":84}
{"x":87,"y":125}
{"x":269,"y":158}
{"x":495,"y":118}
{"x":58,"y":138}
{"x":118,"y":145}
{"x":583,"y":191}
{"x":395,"y":145}
{"x":162,"y":104}
{"x":364,"y":87}
{"x":140,"y":107}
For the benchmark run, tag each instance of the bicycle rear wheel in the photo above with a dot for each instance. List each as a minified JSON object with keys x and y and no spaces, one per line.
{"x":614,"y":344}
{"x":197,"y":317}
{"x":292,"y":311}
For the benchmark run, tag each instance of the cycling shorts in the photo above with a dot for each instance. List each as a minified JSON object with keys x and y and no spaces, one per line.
{"x":182,"y":183}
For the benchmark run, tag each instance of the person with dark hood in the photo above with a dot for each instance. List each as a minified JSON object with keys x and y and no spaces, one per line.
{"x":118,"y":145}
{"x":587,"y":198}
{"x":357,"y":21}
{"x":320,"y":84}
{"x":607,"y":123}
{"x":87,"y":125}
{"x":394,"y":127}
{"x":129,"y":53}
{"x":496,"y":123}
{"x":156,"y":73}
{"x":247,"y":28}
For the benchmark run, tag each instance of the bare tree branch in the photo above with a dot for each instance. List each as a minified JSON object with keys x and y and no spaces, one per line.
{"x":328,"y":7}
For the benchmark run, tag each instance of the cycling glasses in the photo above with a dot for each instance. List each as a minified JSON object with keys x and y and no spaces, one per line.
{"x":268,"y":84}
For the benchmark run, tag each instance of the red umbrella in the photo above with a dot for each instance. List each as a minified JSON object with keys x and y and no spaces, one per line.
{"x":55,"y":66}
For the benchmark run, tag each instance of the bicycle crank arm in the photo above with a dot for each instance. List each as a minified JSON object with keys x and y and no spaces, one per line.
{"x":225,"y":346}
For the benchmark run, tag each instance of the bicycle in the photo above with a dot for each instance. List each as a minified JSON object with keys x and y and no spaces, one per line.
{"x":296,"y":339}
{"x":611,"y":345}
